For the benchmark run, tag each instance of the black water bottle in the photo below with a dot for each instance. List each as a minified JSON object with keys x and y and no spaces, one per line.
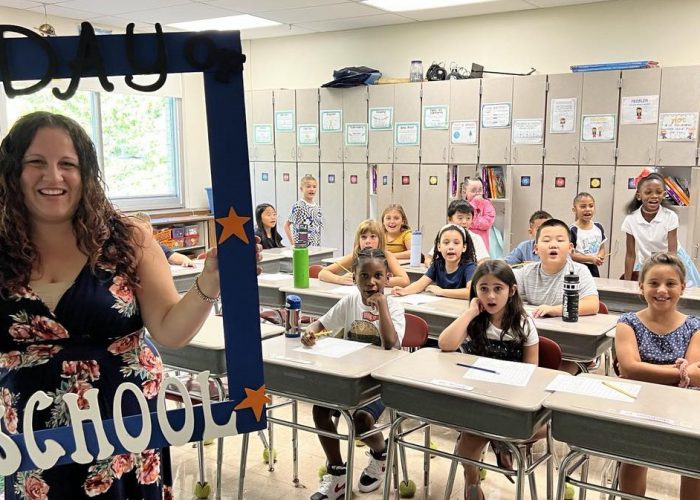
{"x":569,"y":306}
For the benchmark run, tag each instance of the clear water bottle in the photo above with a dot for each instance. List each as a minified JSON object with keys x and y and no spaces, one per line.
{"x":569,"y":306}
{"x":292,"y":323}
{"x":416,"y":244}
{"x":416,"y":71}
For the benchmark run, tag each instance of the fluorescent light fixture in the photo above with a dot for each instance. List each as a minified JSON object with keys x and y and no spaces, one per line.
{"x":406,"y":5}
{"x":242,"y":22}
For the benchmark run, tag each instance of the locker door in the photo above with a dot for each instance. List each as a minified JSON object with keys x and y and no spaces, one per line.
{"x":678,"y":116}
{"x":559,"y":186}
{"x":307,"y":125}
{"x":435,"y":127}
{"x":330,"y":119}
{"x":599,"y":181}
{"x":265,"y":185}
{"x":355,"y":201}
{"x":623,"y":194}
{"x":287,"y":192}
{"x":563,"y":118}
{"x":432,"y":213}
{"x":599,"y":107}
{"x":381,"y":123}
{"x":464,"y":120}
{"x":331,"y":199}
{"x":529,"y":105}
{"x":693,"y":245}
{"x":407,"y":189}
{"x":407,"y":108}
{"x":496,"y":118}
{"x":263,"y":126}
{"x":526,"y":182}
{"x":355,"y":125}
{"x":385,"y":183}
{"x":639,"y":112}
{"x":284,"y":102}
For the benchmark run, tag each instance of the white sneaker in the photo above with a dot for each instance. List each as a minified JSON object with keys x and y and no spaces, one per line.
{"x":332,"y":487}
{"x":373,"y":475}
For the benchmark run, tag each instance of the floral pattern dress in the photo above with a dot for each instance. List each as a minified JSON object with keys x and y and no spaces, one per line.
{"x":93,"y":339}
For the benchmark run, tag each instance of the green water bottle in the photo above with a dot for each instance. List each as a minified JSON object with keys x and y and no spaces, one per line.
{"x":300,"y":258}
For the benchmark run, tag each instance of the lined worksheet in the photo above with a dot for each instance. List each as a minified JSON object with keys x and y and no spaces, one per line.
{"x":617,"y":390}
{"x":500,"y":372}
{"x":333,"y":348}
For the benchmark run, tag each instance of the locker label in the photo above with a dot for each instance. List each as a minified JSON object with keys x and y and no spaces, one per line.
{"x":405,"y":180}
{"x":264,"y":176}
{"x":560,"y":182}
{"x":435,"y":117}
{"x":353,"y":179}
{"x":463,"y":132}
{"x":285,"y":177}
{"x":598,"y":128}
{"x":525,"y":180}
{"x":331,"y":178}
{"x":563,"y":119}
{"x":263,"y":134}
{"x":385,"y":180}
{"x":495,"y":115}
{"x":433,"y":180}
{"x":307,"y":135}
{"x":355,"y":134}
{"x":381,"y":118}
{"x":284,"y":121}
{"x":407,"y":134}
{"x":331,"y":120}
{"x":595,"y":183}
{"x":678,"y":127}
{"x":641,"y":109}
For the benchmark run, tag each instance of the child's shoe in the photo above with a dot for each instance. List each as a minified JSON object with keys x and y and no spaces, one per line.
{"x":374,"y":473}
{"x":332,"y":484}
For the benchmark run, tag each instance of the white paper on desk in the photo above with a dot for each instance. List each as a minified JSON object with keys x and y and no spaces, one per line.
{"x":342,"y":290}
{"x":417,"y":299}
{"x":593,"y":387}
{"x":333,"y":348}
{"x":507,"y":372}
{"x":275,"y":276}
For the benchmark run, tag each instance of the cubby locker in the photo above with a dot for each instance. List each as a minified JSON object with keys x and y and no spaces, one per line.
{"x":559,"y":186}
{"x":678,"y":116}
{"x":496,"y":118}
{"x":287,"y":193}
{"x":284,"y":106}
{"x":407,"y":120}
{"x":355,"y":125}
{"x":434,"y":196}
{"x":523,"y":197}
{"x":307,"y":125}
{"x":599,"y":106}
{"x":562,"y":130}
{"x":407,"y":190}
{"x":381,"y":123}
{"x":435,"y":127}
{"x":331,"y":200}
{"x":464,"y":121}
{"x":503,"y":209}
{"x":527,"y":130}
{"x":264,"y":175}
{"x":355,"y":200}
{"x":693,"y":239}
{"x":263,"y":126}
{"x":599,"y":181}
{"x":383,"y":186}
{"x":330,"y":135}
{"x":639,"y":116}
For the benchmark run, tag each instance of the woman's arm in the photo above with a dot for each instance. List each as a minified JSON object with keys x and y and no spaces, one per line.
{"x":399,"y":276}
{"x":630,"y":256}
{"x":631,"y":364}
{"x":415,"y":287}
{"x":332,"y":273}
{"x":673,"y":241}
{"x":452,"y":337}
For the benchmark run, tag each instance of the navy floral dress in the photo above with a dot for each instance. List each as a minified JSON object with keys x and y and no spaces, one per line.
{"x":93,"y":339}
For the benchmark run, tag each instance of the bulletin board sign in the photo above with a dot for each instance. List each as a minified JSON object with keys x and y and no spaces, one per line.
{"x":217,"y":55}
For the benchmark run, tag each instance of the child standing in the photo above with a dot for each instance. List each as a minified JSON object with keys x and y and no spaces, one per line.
{"x":496,"y":326}
{"x":367,"y":316}
{"x":656,"y":345}
{"x":461,"y":213}
{"x":587,"y":237}
{"x":650,"y":226}
{"x":525,"y":251}
{"x":397,"y":232}
{"x":484,"y":213}
{"x":305,"y":212}
{"x":451,"y":269}
{"x":266,"y":226}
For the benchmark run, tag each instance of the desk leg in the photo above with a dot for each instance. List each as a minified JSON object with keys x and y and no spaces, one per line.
{"x":426,"y":463}
{"x":200,"y":461}
{"x":244,"y":459}
{"x":563,"y":472}
{"x":454,"y":464}
{"x":391,"y":456}
{"x":295,"y":445}
{"x":270,"y":442}
{"x":584,"y":478}
{"x":351,"y":453}
{"x":219,"y":442}
{"x":550,"y":461}
{"x":519,"y":463}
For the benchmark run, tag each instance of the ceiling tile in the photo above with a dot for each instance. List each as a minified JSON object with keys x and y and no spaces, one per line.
{"x":321,"y":13}
{"x":560,"y":3}
{"x":58,"y":10}
{"x":110,"y":8}
{"x":476,"y":9}
{"x":274,"y":31}
{"x":352,"y":23}
{"x":181,"y":13}
{"x":253,"y":6}
{"x":19,"y":4}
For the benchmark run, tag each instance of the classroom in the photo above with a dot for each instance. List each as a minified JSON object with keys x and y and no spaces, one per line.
{"x":477,"y":233}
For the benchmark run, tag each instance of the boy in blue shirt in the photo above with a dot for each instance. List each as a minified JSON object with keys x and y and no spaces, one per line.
{"x":525,"y":251}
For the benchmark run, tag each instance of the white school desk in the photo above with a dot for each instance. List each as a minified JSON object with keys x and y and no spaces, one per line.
{"x":340,"y":383}
{"x":332,"y":260}
{"x":415,"y":272}
{"x":658,"y":429}
{"x":316,"y":255}
{"x":624,"y":296}
{"x":184,"y":277}
{"x":269,"y":286}
{"x":429,"y":386}
{"x":271,"y":262}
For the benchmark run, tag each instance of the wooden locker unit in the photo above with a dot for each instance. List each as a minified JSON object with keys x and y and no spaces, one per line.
{"x":524,"y":192}
{"x":639,"y":112}
{"x":433,"y":193}
{"x":407,"y":190}
{"x":679,"y":106}
{"x":307,"y":141}
{"x":385,"y":185}
{"x":355,"y":200}
{"x":562,"y":128}
{"x":559,"y":186}
{"x":496,"y":119}
{"x":465,"y":100}
{"x":435,"y":122}
{"x":529,"y":104}
{"x":284,"y":105}
{"x":330,"y":121}
{"x":264,"y":175}
{"x":693,"y":238}
{"x":599,"y":107}
{"x":331,"y":191}
{"x":623,"y":194}
{"x":407,"y":114}
{"x":381,"y":123}
{"x":355,"y":117}
{"x":287,"y":193}
{"x":263,"y":126}
{"x":504,"y":208}
{"x":599,"y":181}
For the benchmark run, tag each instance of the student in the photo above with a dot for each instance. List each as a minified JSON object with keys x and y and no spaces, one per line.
{"x":369,"y":234}
{"x":305,"y":212}
{"x":650,"y":226}
{"x":451,"y":269}
{"x":587,"y":237}
{"x":656,"y":345}
{"x":484,"y":213}
{"x":461,"y":213}
{"x":367,"y":316}
{"x":496,"y":326}
{"x":397,"y":232}
{"x":266,"y":226}
{"x":525,"y":251}
{"x":174,"y":258}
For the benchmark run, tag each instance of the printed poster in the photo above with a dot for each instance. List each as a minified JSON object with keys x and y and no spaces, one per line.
{"x":529,"y":131}
{"x":355,"y":134}
{"x":263,"y":134}
{"x":495,"y":115}
{"x":435,"y":117}
{"x":380,"y":118}
{"x":598,"y":128}
{"x":464,"y":132}
{"x":307,"y":135}
{"x":640,"y":110}
{"x":678,"y":127}
{"x":284,"y":121}
{"x":331,"y":120}
{"x":407,"y":134}
{"x":563,"y":117}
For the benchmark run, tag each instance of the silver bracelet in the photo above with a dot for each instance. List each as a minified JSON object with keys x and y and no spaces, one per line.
{"x":201,"y":294}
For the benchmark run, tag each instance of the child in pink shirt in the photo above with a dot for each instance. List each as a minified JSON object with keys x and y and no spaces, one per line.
{"x":484,"y":212}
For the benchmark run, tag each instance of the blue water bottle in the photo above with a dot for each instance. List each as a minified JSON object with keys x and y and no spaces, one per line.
{"x":292,"y":324}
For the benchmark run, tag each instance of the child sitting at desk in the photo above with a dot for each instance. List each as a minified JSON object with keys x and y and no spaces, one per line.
{"x":266,"y":226}
{"x":369,"y":234}
{"x":452,"y":267}
{"x":397,"y":232}
{"x":525,"y":251}
{"x":663,"y":357}
{"x":174,"y":258}
{"x":367,"y":316}
{"x":496,"y":326}
{"x":461,"y":213}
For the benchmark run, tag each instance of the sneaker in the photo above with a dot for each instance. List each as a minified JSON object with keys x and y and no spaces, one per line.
{"x":332,"y":484}
{"x":373,"y":475}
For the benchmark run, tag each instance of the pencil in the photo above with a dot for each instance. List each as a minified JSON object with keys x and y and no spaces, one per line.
{"x":323,"y":333}
{"x":619,"y":389}
{"x":343,"y":267}
{"x":488,"y":370}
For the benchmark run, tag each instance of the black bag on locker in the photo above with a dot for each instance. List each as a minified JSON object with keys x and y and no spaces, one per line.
{"x":436,"y":72}
{"x":353,"y":76}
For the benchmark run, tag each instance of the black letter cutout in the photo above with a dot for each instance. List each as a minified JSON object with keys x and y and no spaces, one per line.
{"x":159,"y":66}
{"x":88,"y":56}
{"x":5,"y":67}
{"x":228,"y":60}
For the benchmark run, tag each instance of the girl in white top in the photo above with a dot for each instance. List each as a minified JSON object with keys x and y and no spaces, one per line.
{"x":495,"y":325}
{"x":650,"y":226}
